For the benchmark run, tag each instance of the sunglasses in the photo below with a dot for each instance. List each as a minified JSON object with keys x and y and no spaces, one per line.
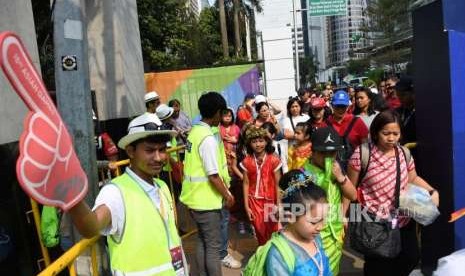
{"x":152,"y":127}
{"x":340,"y":106}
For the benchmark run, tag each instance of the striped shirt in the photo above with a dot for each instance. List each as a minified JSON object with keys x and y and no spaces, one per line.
{"x":377,"y":188}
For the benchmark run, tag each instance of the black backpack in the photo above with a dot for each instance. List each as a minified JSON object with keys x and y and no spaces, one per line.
{"x":345,"y":153}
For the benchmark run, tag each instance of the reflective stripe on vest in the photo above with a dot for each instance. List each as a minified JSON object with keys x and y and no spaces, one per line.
{"x":141,"y":250}
{"x":193,"y":179}
{"x":197,"y":191}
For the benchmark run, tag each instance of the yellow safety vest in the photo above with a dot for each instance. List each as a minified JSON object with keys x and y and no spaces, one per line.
{"x":197,"y":191}
{"x":149,"y":232}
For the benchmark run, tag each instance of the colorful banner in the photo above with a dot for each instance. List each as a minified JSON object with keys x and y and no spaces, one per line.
{"x":233,"y":82}
{"x":327,"y":7}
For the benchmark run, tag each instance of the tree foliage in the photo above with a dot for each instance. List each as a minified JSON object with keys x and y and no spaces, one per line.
{"x":163,"y":29}
{"x":389,"y":25}
{"x":308,"y":68}
{"x":174,"y":39}
{"x":357,"y":66}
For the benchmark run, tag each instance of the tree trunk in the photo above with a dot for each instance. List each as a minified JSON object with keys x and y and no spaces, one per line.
{"x":224,"y":31}
{"x":237,"y":31}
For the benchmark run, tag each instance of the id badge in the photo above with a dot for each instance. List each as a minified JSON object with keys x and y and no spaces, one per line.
{"x":177,"y":260}
{"x":394,"y":223}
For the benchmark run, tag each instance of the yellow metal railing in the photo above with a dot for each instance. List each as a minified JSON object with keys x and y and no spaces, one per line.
{"x":36,"y":215}
{"x":68,"y":258}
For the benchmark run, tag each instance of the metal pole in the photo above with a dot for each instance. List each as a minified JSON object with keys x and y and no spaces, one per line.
{"x":247,"y":38}
{"x":73,"y":88}
{"x":264,"y":65}
{"x":296,"y":49}
{"x":72,"y":84}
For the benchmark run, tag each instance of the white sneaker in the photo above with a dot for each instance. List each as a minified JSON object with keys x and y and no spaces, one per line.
{"x":230,"y":262}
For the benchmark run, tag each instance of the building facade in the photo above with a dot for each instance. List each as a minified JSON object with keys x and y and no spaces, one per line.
{"x":344,"y":35}
{"x":196,"y":6}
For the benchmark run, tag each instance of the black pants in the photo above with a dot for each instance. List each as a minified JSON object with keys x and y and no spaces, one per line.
{"x":401,"y":265}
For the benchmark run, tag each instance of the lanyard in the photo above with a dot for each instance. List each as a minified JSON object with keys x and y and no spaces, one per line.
{"x":162,"y":212}
{"x":259,"y":173}
{"x":318,"y":264}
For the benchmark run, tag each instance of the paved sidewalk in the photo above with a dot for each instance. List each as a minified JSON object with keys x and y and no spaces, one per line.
{"x":243,"y":246}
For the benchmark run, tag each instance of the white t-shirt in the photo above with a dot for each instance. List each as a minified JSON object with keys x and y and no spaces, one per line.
{"x":208,"y":152}
{"x":451,"y":265}
{"x":297,"y":119}
{"x":111,"y":196}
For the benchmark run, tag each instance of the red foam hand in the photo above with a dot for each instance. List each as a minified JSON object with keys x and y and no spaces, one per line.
{"x":47,"y":168}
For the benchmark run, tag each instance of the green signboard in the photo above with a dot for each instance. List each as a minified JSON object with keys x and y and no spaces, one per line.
{"x":327,"y":7}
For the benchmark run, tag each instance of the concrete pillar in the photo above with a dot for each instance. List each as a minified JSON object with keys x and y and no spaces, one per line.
{"x":115,"y":58}
{"x":15,"y":16}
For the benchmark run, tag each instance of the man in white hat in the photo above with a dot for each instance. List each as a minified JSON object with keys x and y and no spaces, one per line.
{"x":135,"y":211}
{"x":152,"y":101}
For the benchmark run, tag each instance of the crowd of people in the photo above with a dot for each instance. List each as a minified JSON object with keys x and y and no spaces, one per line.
{"x":255,"y":164}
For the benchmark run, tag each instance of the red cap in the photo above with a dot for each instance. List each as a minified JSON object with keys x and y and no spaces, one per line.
{"x":318,"y":103}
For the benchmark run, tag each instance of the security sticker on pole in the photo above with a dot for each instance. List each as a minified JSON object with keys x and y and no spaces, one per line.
{"x":69,"y":63}
{"x":47,"y":169}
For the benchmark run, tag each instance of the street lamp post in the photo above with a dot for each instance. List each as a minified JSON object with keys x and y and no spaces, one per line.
{"x":296,"y":49}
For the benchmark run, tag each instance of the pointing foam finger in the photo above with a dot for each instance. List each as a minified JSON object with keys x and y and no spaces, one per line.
{"x":22,"y":74}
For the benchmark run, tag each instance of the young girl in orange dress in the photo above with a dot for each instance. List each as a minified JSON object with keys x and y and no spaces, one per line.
{"x":261,"y":177}
{"x":302,"y":150}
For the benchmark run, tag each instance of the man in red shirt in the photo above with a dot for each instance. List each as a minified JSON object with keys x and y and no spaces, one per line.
{"x":245,"y":111}
{"x":341,"y":121}
{"x":391,"y":98}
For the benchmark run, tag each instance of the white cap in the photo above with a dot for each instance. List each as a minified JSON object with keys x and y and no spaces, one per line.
{"x":150,"y":96}
{"x":164,"y":112}
{"x":260,"y":99}
{"x":140,"y":127}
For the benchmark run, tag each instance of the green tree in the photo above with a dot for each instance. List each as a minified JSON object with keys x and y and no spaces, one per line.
{"x":164,"y":26}
{"x":389,"y":23}
{"x":357,"y":66}
{"x":210,"y":49}
{"x":308,"y":68}
{"x":224,"y":29}
{"x":242,"y":10}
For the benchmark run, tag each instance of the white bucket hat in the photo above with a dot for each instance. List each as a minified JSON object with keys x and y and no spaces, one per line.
{"x":151,"y":96}
{"x":260,"y":99}
{"x":164,"y":112}
{"x":140,"y":127}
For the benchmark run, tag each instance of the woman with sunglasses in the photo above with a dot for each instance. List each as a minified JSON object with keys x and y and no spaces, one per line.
{"x":264,"y":114}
